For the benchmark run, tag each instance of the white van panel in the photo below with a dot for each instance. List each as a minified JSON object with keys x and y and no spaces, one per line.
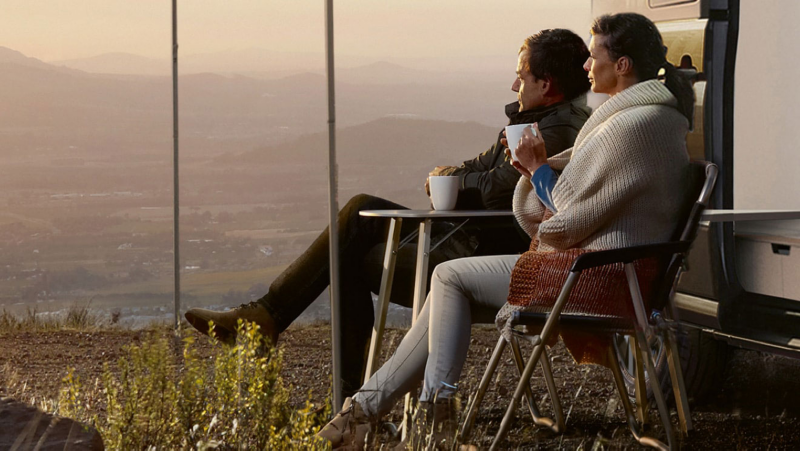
{"x":768,"y":258}
{"x":766,"y":101}
{"x":656,"y":10}
{"x":767,"y":145}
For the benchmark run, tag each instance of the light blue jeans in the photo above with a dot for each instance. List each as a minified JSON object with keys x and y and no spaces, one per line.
{"x":463,"y":292}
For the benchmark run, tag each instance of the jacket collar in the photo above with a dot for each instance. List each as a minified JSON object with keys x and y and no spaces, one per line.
{"x":536,"y":114}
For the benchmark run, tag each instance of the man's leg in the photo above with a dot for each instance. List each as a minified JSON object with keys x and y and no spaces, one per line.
{"x":305,"y":278}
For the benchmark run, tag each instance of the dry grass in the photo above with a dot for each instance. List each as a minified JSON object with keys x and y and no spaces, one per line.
{"x":77,"y":317}
{"x":163,"y":395}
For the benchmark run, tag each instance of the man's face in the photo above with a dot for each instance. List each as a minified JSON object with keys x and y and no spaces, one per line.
{"x":530,"y":90}
{"x":602,"y":70}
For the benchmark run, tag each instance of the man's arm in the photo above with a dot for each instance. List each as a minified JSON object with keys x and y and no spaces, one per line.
{"x":496,"y":182}
{"x":481,"y":163}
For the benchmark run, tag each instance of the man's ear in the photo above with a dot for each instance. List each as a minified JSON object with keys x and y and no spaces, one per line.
{"x":548,"y":87}
{"x":624,"y":66}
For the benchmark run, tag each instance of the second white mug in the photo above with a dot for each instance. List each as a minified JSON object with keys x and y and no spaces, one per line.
{"x":444,"y":191}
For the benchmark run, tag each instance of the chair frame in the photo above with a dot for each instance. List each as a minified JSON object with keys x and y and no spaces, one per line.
{"x":640,"y":329}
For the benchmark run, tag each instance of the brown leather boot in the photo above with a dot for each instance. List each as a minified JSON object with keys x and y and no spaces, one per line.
{"x":348,"y":429}
{"x":225,"y":322}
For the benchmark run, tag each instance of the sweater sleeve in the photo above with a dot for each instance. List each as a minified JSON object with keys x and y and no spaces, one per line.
{"x":528,"y":209}
{"x":543,"y":181}
{"x":599,"y":180}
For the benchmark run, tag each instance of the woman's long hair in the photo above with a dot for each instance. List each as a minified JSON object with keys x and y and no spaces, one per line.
{"x":635,"y":36}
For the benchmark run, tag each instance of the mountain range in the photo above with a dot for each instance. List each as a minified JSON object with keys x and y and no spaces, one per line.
{"x":57,"y":109}
{"x":267,"y":64}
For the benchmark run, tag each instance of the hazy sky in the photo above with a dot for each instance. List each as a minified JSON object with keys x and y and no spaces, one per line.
{"x":64,"y":29}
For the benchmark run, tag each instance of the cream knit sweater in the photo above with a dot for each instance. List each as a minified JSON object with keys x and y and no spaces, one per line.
{"x":620,"y":184}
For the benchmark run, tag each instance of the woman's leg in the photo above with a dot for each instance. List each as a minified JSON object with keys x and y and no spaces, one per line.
{"x":463,"y":292}
{"x":400,"y":373}
{"x":486,"y":280}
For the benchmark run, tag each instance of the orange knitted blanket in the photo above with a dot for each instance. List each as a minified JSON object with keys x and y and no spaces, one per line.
{"x":538,"y":277}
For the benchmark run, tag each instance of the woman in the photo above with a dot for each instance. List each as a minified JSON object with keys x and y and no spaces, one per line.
{"x":620,"y":188}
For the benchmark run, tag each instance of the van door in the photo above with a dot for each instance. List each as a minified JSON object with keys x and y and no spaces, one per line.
{"x":743,"y":279}
{"x":759,"y":296}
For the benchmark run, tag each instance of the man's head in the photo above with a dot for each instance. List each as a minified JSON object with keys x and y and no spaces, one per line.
{"x":550,"y":69}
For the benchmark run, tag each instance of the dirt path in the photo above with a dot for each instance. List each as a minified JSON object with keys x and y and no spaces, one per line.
{"x":758,"y":406}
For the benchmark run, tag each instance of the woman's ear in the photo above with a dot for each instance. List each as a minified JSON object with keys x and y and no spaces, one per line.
{"x":624,"y":66}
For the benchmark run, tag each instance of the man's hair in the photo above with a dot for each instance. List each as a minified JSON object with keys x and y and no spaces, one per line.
{"x":558,"y":54}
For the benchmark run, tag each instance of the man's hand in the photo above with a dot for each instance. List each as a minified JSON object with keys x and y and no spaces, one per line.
{"x":531,"y":152}
{"x":442,"y":170}
{"x":438,"y":170}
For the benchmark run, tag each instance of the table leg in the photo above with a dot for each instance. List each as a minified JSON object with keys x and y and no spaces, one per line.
{"x":420,"y":289}
{"x":421,"y":279}
{"x":387,"y":278}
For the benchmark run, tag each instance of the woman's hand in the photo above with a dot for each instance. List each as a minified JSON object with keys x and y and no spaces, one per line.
{"x":531,"y":152}
{"x":518,"y":166}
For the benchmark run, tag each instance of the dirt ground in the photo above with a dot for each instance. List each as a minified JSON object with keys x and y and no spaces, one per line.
{"x":757,"y":407}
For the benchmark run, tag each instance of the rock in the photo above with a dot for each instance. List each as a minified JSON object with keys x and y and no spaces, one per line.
{"x":24,"y":427}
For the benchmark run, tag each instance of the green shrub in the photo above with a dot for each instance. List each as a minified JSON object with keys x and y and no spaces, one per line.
{"x":154,"y":399}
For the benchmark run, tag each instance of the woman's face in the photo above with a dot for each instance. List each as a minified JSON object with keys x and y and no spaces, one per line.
{"x":601,"y":68}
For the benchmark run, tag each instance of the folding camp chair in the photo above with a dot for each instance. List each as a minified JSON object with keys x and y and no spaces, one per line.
{"x":642,"y":327}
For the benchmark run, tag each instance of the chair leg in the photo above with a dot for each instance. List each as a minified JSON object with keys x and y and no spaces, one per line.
{"x":472,"y":412}
{"x":538,"y":419}
{"x":551,"y":388}
{"x":623,"y":394}
{"x":656,"y":386}
{"x":640,"y":383}
{"x":645,"y":355}
{"x":637,"y":428}
{"x":520,"y":361}
{"x":678,"y":385}
{"x":523,"y":382}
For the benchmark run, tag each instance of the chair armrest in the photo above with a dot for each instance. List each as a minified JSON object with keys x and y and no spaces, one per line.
{"x":628,"y":254}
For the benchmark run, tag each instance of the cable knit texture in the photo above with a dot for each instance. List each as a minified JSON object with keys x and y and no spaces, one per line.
{"x":620,"y":186}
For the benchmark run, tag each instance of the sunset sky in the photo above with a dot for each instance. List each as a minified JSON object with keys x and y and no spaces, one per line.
{"x":64,"y":29}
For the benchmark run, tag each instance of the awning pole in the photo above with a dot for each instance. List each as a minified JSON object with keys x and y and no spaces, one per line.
{"x":333,"y":209}
{"x":175,"y":202}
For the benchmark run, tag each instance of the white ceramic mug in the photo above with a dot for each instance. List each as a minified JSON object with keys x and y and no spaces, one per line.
{"x":514,"y":134}
{"x":444,"y":191}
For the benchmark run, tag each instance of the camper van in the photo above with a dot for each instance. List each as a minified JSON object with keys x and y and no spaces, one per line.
{"x":741,"y":286}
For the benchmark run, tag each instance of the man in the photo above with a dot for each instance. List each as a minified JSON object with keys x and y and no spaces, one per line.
{"x":550,"y":87}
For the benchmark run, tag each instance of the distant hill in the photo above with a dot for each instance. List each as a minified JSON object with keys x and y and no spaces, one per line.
{"x":10,"y":56}
{"x":386,"y":142}
{"x":57,"y":109}
{"x":119,"y":63}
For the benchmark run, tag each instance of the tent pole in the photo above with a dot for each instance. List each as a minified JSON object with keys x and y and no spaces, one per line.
{"x":175,"y":202}
{"x":333,"y":209}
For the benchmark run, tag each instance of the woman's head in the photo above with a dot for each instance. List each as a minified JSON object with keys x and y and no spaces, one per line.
{"x":627,"y":49}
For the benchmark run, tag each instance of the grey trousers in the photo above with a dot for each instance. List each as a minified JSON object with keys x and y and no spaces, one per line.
{"x":463,"y":292}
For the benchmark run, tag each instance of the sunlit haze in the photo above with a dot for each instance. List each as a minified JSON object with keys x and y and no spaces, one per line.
{"x":54,"y":30}
{"x":86,"y":142}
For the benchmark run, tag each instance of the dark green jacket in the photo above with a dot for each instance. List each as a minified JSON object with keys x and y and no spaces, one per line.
{"x":488,"y":181}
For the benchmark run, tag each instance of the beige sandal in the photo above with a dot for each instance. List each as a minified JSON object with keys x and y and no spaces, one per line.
{"x":348,"y":429}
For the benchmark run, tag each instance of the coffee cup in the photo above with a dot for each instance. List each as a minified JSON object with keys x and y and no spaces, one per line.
{"x":514,"y":134}
{"x":444,"y":191}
